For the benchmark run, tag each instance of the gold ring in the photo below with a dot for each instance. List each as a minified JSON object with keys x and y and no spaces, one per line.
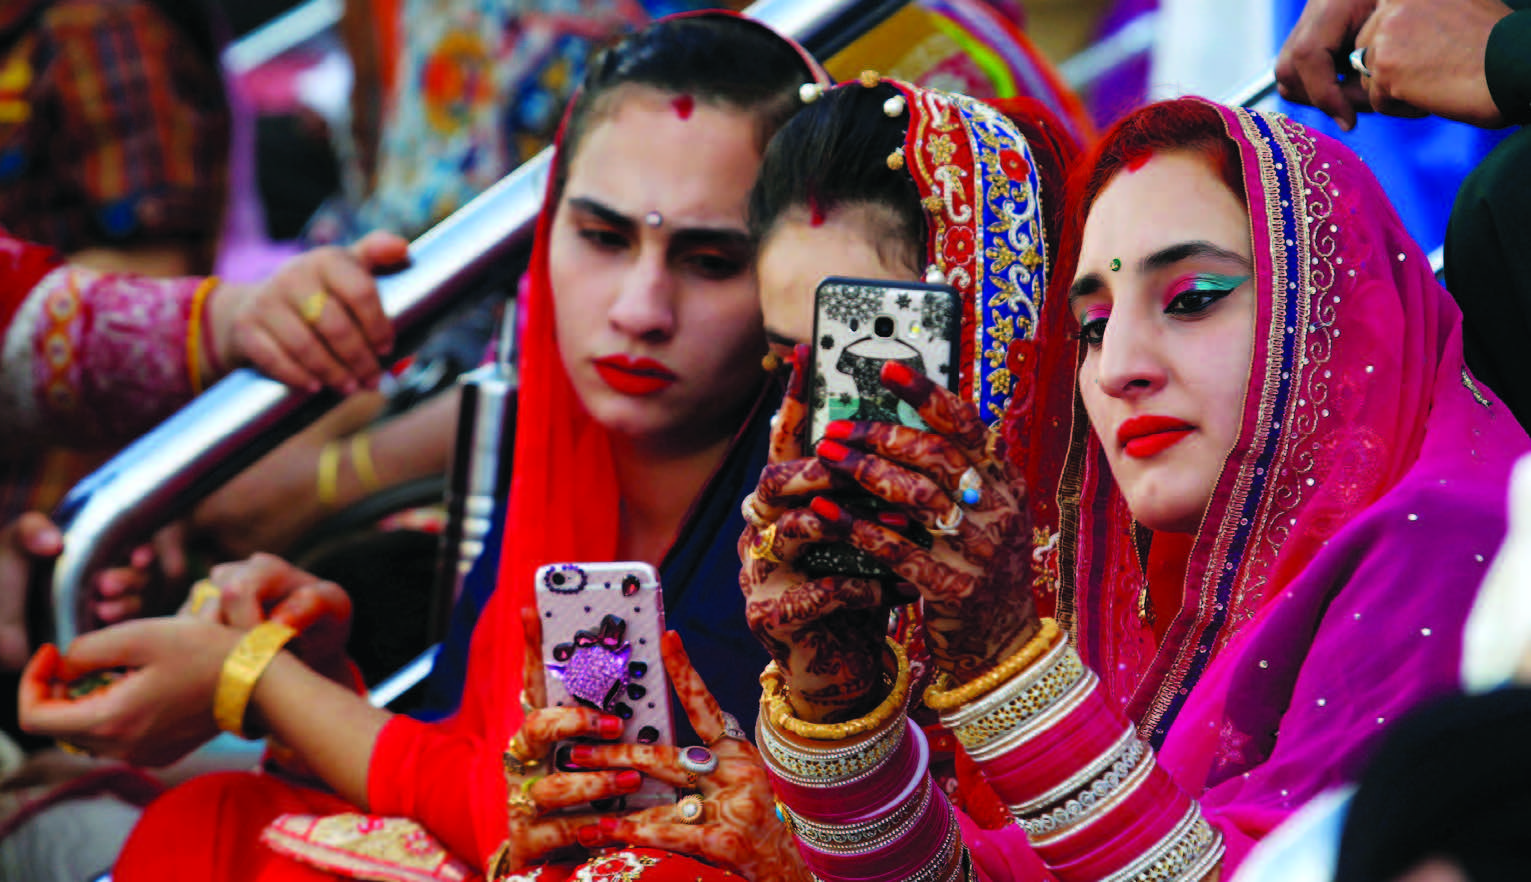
{"x":313,"y":306}
{"x":520,"y":801}
{"x":760,"y":549}
{"x":201,"y":593}
{"x":751,"y":512}
{"x":72,"y":748}
{"x":991,"y":448}
{"x":519,"y":758}
{"x":526,"y":705}
{"x":948,"y":523}
{"x":691,"y":810}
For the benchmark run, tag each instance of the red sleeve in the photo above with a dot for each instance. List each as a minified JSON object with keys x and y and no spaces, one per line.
{"x":451,"y":781}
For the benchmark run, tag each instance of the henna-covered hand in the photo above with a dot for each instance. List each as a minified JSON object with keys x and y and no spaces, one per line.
{"x":531,"y":837}
{"x":739,"y":831}
{"x":976,"y":581}
{"x":826,"y":634}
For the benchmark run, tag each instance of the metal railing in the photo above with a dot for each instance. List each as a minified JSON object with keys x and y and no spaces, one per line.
{"x":245,"y":415}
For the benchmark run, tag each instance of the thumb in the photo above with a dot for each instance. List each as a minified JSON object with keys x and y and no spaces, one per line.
{"x":380,"y":249}
{"x":126,"y":645}
{"x":37,"y":536}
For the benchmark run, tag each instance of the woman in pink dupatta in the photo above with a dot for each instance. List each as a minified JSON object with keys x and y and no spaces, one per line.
{"x":1203,"y":682}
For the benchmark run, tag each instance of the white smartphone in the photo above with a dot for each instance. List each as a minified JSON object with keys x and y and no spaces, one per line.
{"x":601,"y":627}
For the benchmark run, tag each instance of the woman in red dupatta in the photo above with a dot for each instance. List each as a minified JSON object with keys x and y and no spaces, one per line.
{"x":437,"y":800}
{"x":1257,"y":574}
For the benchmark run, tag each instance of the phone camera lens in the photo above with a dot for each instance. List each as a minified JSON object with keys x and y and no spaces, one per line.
{"x":882,"y":326}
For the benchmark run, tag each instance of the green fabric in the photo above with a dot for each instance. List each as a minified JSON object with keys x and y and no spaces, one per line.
{"x":1488,"y":270}
{"x":1507,"y":64}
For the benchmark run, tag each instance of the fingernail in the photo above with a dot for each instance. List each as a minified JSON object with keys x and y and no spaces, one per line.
{"x":827,"y":509}
{"x":610,"y":727}
{"x":349,"y":387}
{"x":629,"y":781}
{"x":590,"y":834}
{"x":608,"y":827}
{"x":833,"y":451}
{"x":897,"y":373}
{"x":839,"y":430}
{"x":893,"y":519}
{"x":582,"y":754}
{"x":800,"y":354}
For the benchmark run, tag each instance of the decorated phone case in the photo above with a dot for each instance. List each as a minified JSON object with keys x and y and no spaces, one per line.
{"x":601,"y":626}
{"x":861,"y":324}
{"x":858,"y":326}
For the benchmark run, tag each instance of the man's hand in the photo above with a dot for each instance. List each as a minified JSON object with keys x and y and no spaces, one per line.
{"x":1426,"y":56}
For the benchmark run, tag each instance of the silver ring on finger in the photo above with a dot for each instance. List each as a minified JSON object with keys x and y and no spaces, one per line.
{"x":691,"y":810}
{"x":1358,"y":61}
{"x":970,"y":487}
{"x":947,"y":524}
{"x":731,"y":729}
{"x":698,"y":760}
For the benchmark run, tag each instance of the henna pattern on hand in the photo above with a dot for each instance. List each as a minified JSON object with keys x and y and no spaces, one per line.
{"x":740,"y":831}
{"x":976,"y":583}
{"x":825,"y":634}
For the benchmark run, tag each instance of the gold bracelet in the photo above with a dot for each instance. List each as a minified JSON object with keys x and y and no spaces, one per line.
{"x":361,"y":461}
{"x":329,"y":474}
{"x":243,"y":669}
{"x":938,"y":698}
{"x":779,"y":710}
{"x":194,"y":332}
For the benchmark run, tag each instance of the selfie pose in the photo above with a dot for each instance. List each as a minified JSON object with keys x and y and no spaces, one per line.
{"x":643,"y":406}
{"x":1281,"y":489}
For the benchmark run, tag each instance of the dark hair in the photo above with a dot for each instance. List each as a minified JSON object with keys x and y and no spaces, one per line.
{"x":720,"y":59}
{"x":834,"y":153}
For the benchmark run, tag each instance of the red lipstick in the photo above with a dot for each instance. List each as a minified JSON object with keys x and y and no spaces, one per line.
{"x":634,"y":376}
{"x":1150,"y":435}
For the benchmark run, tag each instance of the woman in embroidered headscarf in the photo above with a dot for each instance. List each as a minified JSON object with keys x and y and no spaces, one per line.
{"x":885,"y":180}
{"x":641,"y":425}
{"x":1281,"y":488}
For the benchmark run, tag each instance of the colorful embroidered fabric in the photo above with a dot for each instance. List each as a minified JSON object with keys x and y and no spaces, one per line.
{"x":113,"y":127}
{"x":87,"y":359}
{"x":481,"y":88}
{"x":981,"y":190}
{"x":364,"y":847}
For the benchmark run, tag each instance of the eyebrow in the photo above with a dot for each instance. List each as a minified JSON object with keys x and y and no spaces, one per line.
{"x":1091,"y":283}
{"x":720,"y":237}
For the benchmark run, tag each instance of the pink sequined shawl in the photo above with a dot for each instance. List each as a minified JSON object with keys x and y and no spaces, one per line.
{"x":1333,"y":571}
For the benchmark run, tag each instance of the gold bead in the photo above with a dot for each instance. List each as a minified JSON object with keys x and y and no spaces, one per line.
{"x":896,"y":159}
{"x":870,"y":78}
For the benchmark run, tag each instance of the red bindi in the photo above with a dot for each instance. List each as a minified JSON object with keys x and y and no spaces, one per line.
{"x":683,"y":106}
{"x":1138,"y":162}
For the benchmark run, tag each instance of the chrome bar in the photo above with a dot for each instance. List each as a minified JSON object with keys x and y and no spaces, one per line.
{"x":282,"y":34}
{"x":245,"y":415}
{"x":1261,"y":88}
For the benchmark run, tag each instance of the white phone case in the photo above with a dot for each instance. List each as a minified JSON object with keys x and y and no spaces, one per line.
{"x":601,"y":626}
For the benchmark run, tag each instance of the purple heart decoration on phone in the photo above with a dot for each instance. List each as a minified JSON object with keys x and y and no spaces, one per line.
{"x":597,"y":667}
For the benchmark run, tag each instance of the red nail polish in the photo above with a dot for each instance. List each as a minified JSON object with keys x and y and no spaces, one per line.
{"x":582,"y":754}
{"x":629,"y":781}
{"x":833,"y":451}
{"x":897,"y":373}
{"x":893,"y":519}
{"x":827,"y":509}
{"x":610,"y":727}
{"x":608,"y":827}
{"x":589,"y":835}
{"x":839,"y":430}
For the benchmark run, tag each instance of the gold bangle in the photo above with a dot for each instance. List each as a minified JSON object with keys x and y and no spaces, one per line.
{"x":242,"y":670}
{"x":938,"y":698}
{"x":194,"y":332}
{"x":329,"y":474}
{"x":779,"y":710}
{"x":361,"y":461}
